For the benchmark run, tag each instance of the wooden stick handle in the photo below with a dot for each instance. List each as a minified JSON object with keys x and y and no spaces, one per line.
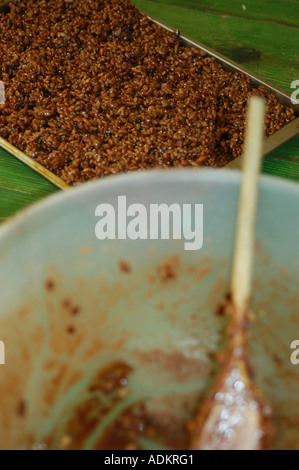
{"x":246,"y":220}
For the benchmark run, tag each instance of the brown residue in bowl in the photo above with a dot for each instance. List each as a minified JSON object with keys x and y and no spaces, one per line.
{"x":96,"y":88}
{"x":169,"y":269}
{"x":75,"y":310}
{"x":182,"y":367}
{"x":111,"y":377}
{"x":66,"y":303}
{"x":50,"y":284}
{"x":124,"y":267}
{"x":21,"y":408}
{"x":111,"y":381}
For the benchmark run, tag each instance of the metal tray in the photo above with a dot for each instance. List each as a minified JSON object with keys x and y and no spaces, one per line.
{"x":270,"y":143}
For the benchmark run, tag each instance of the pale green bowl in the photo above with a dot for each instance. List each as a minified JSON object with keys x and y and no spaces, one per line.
{"x":167,"y":331}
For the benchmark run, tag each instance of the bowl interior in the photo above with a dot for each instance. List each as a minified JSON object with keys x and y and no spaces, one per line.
{"x":95,"y":328}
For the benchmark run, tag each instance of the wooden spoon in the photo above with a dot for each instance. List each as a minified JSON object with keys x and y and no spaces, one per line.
{"x":235,"y":416}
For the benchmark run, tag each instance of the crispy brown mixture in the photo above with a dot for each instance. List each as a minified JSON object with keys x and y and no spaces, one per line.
{"x":93,"y":88}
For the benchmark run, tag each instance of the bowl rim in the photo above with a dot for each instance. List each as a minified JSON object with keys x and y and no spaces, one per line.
{"x":181,"y":175}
